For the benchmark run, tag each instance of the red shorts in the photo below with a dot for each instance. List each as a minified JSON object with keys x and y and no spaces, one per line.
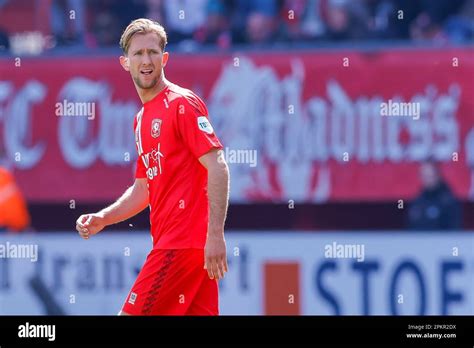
{"x":173,"y":282}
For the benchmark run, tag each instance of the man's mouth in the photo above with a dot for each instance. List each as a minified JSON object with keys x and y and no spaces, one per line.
{"x":146,"y":71}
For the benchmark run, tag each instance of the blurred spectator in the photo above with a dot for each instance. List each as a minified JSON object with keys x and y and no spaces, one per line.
{"x":428,"y":26}
{"x":425,"y":28}
{"x":345,"y":20}
{"x":106,"y":29}
{"x":391,"y":19}
{"x":183,"y":18}
{"x":154,"y":11}
{"x":258,"y":17}
{"x":384,"y":19}
{"x":460,"y":27}
{"x":14,"y":215}
{"x":108,"y":19}
{"x":436,"y":208}
{"x":217,"y":29}
{"x":301,"y":19}
{"x":312,"y":24}
{"x":99,"y":23}
{"x":68,"y":21}
{"x":4,"y":41}
{"x":127,"y":11}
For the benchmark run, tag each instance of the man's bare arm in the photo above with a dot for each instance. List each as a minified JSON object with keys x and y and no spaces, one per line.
{"x":218,"y":194}
{"x":133,"y":201}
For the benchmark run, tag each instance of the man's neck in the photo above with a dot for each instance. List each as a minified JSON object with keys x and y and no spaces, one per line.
{"x":148,"y":94}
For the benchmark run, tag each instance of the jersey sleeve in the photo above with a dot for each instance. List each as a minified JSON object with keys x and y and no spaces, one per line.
{"x":140,"y":170}
{"x":195,"y":128}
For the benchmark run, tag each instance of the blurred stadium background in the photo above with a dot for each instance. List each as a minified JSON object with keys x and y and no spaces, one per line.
{"x":294,"y":89}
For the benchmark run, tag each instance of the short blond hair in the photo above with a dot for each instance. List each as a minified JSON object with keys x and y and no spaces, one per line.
{"x":143,"y":26}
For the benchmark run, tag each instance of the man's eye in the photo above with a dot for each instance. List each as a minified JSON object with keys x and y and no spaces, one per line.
{"x":138,"y":53}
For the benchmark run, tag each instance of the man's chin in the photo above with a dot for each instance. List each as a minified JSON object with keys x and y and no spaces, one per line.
{"x":149,"y":85}
{"x":146,"y":85}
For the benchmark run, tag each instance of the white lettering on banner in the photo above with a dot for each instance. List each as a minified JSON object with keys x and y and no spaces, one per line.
{"x":78,"y":142}
{"x":432,"y":280}
{"x":250,"y":110}
{"x":18,"y":124}
{"x":76,"y":137}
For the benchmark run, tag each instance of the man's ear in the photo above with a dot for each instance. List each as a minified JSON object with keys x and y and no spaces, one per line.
{"x":164,"y":61}
{"x":124,"y":62}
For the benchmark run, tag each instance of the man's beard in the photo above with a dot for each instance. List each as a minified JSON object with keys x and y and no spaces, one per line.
{"x":148,"y":85}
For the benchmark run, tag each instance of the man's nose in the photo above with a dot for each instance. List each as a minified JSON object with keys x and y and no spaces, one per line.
{"x":146,"y":59}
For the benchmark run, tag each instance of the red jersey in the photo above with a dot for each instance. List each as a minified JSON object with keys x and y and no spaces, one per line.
{"x":171,"y":132}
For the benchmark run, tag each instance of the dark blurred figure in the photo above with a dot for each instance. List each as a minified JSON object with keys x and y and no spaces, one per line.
{"x":439,"y":21}
{"x":155,"y":11}
{"x":259,"y":20}
{"x":436,"y":208}
{"x":392,"y":19}
{"x":429,"y":24}
{"x":106,"y":28}
{"x":68,"y":21}
{"x":301,"y":20}
{"x":217,"y":29}
{"x":183,"y":18}
{"x":4,"y":41}
{"x":345,"y":19}
{"x":108,"y":19}
{"x":426,"y":28}
{"x":460,"y":26}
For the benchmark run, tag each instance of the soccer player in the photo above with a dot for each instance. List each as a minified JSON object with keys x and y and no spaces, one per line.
{"x":182,"y":176}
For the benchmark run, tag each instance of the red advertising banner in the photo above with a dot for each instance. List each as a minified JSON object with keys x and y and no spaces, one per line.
{"x":304,"y":126}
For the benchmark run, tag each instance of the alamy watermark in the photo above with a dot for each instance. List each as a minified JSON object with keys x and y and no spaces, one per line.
{"x":28,"y":330}
{"x":19,"y":251}
{"x":241,"y":156}
{"x":68,"y":108}
{"x":345,"y":251}
{"x":393,"y":108}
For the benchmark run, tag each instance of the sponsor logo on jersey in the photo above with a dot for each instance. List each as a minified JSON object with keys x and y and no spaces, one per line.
{"x":204,"y":124}
{"x":152,"y":162}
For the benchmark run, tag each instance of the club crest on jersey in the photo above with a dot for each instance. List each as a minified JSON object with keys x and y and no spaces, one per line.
{"x":155,"y":128}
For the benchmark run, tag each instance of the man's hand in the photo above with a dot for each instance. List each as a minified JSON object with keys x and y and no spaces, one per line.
{"x":133,"y":201}
{"x":215,"y":257}
{"x":90,"y":224}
